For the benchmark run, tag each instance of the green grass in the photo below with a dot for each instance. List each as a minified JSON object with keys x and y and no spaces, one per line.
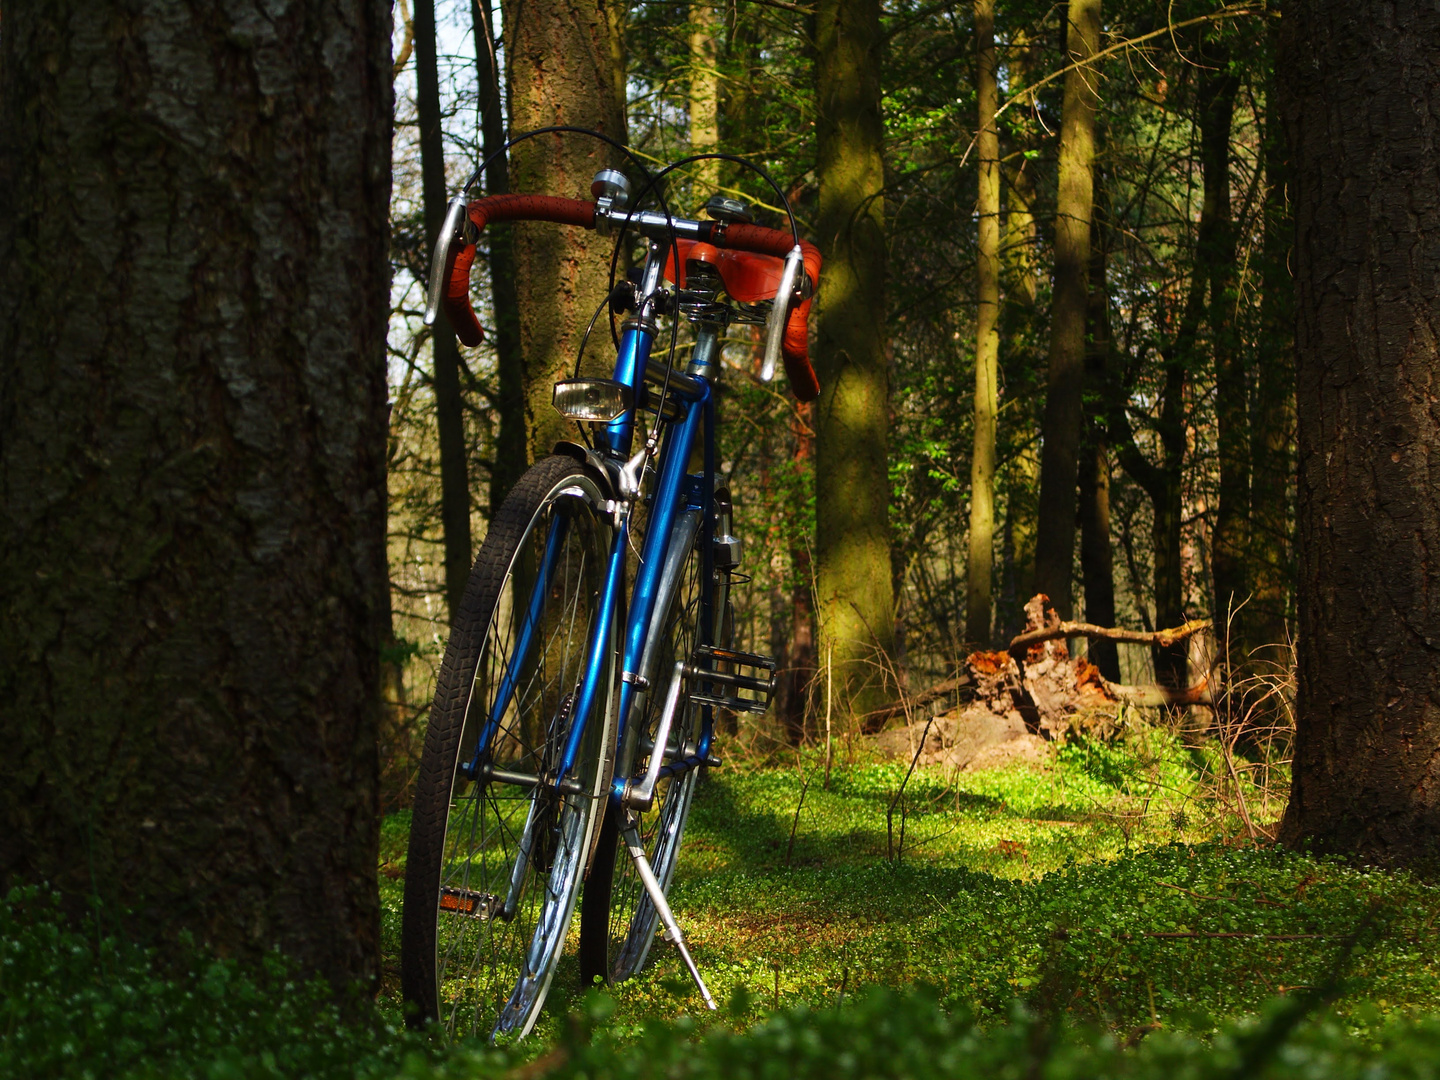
{"x":1066,"y":888}
{"x":1101,"y":915}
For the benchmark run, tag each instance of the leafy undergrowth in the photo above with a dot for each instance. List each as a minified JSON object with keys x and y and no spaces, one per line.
{"x":1090,"y":917}
{"x":911,"y":1035}
{"x":76,"y":1004}
{"x":1091,"y":888}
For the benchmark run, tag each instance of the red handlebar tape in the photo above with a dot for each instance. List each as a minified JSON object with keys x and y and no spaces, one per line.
{"x":501,"y":208}
{"x":796,"y":344}
{"x":494,"y":208}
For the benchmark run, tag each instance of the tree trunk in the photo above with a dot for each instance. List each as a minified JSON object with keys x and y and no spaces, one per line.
{"x":704,"y":97}
{"x":987,"y":334}
{"x":1019,"y":363}
{"x":1272,"y":436}
{"x":852,"y":550}
{"x":509,"y":402}
{"x":1055,"y":548}
{"x":1361,"y":102}
{"x":449,"y":407}
{"x":1232,"y":518}
{"x":797,"y":611}
{"x":1163,"y":482}
{"x":562,"y":57}
{"x":1097,"y":570}
{"x":192,"y":468}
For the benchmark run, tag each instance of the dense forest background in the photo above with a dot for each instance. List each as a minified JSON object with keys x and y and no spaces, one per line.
{"x":1136,"y":309}
{"x":1184,"y":501}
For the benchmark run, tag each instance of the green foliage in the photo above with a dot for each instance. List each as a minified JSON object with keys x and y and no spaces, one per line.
{"x":890,"y":1034}
{"x":1022,"y":932}
{"x":86,"y":1004}
{"x":1085,"y":887}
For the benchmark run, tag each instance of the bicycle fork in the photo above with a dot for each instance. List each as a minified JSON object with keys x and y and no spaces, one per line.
{"x":630,"y":833}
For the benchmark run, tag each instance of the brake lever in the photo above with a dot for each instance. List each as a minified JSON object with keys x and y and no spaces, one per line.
{"x":452,"y":230}
{"x":780,"y":312}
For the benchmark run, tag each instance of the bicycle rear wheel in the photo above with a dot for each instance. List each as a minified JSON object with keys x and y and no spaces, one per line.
{"x":618,"y":921}
{"x":496,"y":855}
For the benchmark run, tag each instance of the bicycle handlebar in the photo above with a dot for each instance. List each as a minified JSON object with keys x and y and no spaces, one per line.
{"x":454,"y":255}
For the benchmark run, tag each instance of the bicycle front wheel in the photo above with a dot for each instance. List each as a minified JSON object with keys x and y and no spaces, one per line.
{"x":496,"y":851}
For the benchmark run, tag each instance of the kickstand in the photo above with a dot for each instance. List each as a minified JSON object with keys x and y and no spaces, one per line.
{"x":631,"y":834}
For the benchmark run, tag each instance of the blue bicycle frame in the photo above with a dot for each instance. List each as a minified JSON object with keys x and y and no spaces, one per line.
{"x":675,"y":491}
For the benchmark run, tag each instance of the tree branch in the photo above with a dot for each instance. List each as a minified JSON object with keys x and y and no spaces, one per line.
{"x":1160,"y":639}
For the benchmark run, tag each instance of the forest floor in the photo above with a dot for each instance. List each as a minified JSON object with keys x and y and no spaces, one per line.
{"x":1107,"y":882}
{"x":1104,"y":910}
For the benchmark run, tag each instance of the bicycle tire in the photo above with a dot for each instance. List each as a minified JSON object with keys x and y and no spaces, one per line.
{"x":482,"y":930}
{"x":618,"y":921}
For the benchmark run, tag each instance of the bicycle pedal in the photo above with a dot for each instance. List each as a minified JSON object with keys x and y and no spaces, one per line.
{"x":743,"y":682}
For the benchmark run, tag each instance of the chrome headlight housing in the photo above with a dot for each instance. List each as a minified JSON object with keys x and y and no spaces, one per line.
{"x":600,"y":400}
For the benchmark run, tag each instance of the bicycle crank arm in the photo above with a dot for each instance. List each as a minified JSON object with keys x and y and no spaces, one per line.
{"x":631,"y":835}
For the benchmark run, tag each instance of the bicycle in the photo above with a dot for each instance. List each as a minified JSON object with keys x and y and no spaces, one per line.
{"x":572,"y":718}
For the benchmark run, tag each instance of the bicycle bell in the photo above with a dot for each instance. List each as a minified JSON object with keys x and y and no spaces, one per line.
{"x":724,"y":208}
{"x":611,"y":189}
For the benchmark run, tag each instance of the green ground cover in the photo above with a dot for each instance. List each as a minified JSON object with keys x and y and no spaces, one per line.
{"x":1082,"y":888}
{"x":1103,"y":914}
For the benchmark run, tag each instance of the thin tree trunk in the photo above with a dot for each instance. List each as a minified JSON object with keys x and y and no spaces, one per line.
{"x":987,"y":334}
{"x":1096,"y":560}
{"x":1232,"y":518}
{"x":449,"y":407}
{"x":562,"y":69}
{"x":793,"y":694}
{"x":704,"y":97}
{"x":509,"y":363}
{"x":852,"y":549}
{"x":192,"y":468}
{"x":1055,"y":547}
{"x":1019,"y":363}
{"x":1272,"y":443}
{"x":1163,"y":482}
{"x":1361,"y":103}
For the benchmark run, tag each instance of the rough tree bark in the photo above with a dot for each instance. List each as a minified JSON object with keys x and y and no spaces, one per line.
{"x":1055,"y":546}
{"x":444,"y":349}
{"x":1361,"y":101}
{"x":509,"y":402}
{"x":562,"y":69}
{"x":987,"y":333}
{"x":193,"y":295}
{"x":855,"y":597}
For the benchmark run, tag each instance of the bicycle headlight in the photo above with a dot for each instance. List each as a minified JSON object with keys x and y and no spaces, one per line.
{"x":592,"y":399}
